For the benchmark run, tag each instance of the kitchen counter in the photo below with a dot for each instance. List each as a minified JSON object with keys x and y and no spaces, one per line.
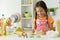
{"x":13,"y":37}
{"x":17,"y":37}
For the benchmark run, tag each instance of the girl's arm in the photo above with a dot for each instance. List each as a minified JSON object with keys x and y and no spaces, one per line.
{"x":34,"y":28}
{"x":50,"y":22}
{"x":51,"y":26}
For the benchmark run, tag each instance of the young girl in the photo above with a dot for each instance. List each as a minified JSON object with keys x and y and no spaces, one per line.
{"x":42,"y":21}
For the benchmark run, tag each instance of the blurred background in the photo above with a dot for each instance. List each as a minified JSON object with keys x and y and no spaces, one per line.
{"x":26,"y":9}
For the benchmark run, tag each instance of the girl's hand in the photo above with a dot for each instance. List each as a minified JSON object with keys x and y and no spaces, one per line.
{"x":45,"y":29}
{"x":33,"y":30}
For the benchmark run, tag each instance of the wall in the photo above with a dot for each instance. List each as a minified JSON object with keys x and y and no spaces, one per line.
{"x":52,"y":3}
{"x":8,"y":7}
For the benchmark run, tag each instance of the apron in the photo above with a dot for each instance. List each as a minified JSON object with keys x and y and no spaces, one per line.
{"x":41,"y":25}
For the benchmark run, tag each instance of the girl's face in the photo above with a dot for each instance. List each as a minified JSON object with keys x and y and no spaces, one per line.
{"x":40,"y":11}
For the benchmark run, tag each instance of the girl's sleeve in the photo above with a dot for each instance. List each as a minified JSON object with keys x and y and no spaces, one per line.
{"x":50,"y":20}
{"x":33,"y":21}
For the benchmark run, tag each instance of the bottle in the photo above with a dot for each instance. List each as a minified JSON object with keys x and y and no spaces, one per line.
{"x":3,"y":25}
{"x":30,"y":1}
{"x":25,"y":1}
{"x":0,"y":31}
{"x":59,"y":5}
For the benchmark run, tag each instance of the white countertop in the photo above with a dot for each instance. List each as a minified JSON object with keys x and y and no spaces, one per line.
{"x":14,"y":37}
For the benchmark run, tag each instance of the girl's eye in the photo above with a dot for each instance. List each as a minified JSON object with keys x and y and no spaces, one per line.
{"x":39,"y":11}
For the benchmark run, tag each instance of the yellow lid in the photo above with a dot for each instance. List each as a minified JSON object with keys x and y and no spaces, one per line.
{"x":19,"y":29}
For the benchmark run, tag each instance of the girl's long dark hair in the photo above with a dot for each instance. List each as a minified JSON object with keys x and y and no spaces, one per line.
{"x":43,"y":5}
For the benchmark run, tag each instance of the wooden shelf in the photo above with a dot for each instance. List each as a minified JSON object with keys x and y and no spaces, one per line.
{"x":26,"y":4}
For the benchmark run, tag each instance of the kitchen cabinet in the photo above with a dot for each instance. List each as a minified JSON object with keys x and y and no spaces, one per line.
{"x":26,"y":13}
